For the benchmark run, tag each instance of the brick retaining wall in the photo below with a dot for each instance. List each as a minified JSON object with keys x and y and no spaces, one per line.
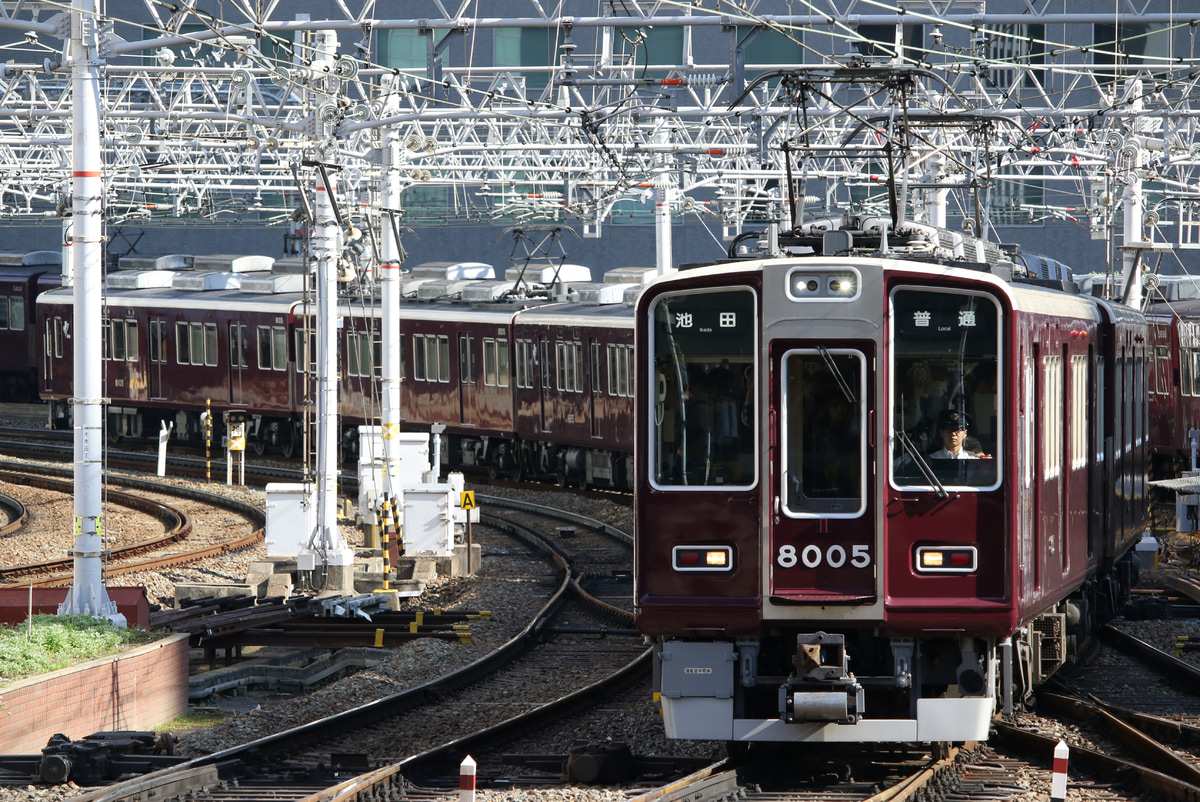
{"x":136,"y":690}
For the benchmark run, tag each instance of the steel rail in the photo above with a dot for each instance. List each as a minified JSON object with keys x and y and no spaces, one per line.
{"x":46,"y":476}
{"x":17,"y":514}
{"x":368,"y":714}
{"x":177,"y":523}
{"x":1165,"y":664}
{"x":1098,"y":763}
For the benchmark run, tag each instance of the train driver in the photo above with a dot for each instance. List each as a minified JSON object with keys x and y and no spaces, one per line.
{"x":952,"y":426}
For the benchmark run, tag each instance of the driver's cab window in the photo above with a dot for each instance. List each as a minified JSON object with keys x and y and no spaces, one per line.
{"x":703,"y":417}
{"x":946,"y":394}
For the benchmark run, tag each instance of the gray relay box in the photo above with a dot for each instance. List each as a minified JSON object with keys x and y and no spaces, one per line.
{"x":697,"y":669}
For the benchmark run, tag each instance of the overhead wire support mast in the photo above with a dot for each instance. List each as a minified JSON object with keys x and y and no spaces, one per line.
{"x":87,"y":594}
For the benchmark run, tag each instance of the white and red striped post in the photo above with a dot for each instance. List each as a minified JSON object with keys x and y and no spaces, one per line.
{"x":1058,"y":779}
{"x":466,"y":780}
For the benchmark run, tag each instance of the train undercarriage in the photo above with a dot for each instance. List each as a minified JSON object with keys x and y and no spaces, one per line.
{"x":497,"y":456}
{"x":810,"y":685}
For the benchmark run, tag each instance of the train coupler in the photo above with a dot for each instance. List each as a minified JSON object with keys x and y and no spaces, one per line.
{"x":840,"y":702}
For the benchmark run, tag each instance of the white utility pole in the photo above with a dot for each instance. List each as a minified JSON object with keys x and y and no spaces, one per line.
{"x":326,"y":546}
{"x":664,"y":259}
{"x":389,"y":282}
{"x":87,"y":594}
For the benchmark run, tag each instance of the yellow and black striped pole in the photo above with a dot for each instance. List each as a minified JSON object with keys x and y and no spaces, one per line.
{"x":208,"y":439}
{"x":387,"y":545}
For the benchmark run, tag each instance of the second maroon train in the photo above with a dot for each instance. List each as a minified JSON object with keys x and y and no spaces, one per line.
{"x":526,"y":384}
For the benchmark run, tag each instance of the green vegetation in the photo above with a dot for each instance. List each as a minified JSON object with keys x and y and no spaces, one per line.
{"x":61,"y":641}
{"x":195,"y":719}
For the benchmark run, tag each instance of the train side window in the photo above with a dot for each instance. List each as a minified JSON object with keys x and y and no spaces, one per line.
{"x":4,"y":313}
{"x":58,"y":337}
{"x":502,"y":362}
{"x":183,"y":343}
{"x":1080,"y":387}
{"x":279,"y":348}
{"x":1162,"y":370}
{"x":106,"y":339}
{"x":623,"y":372}
{"x":522,"y":362}
{"x":1185,"y":370}
{"x":1052,"y":407}
{"x":264,"y":347}
{"x":358,"y":343}
{"x":559,"y":360}
{"x":197,"y":349}
{"x":157,"y":336}
{"x":702,"y":410}
{"x":117,"y":329}
{"x":573,"y":367}
{"x":466,"y":361}
{"x":16,"y":314}
{"x":597,"y":376}
{"x":306,"y":350}
{"x":211,"y":354}
{"x":443,"y":348}
{"x":131,"y":340}
{"x":238,"y":347}
{"x":1195,"y":384}
{"x":489,"y":362}
{"x":612,"y":369}
{"x":419,"y":357}
{"x":377,"y":354}
{"x":630,"y":362}
{"x":577,"y":360}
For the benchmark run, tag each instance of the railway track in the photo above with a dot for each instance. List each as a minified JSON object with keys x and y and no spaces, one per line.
{"x":124,"y":559}
{"x":1124,"y":711}
{"x":574,"y":633}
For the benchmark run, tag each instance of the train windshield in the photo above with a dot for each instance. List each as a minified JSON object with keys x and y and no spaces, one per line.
{"x":945,"y":392}
{"x":825,"y":458}
{"x":703,"y":416}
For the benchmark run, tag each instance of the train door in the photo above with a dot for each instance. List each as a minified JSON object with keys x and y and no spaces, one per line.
{"x":546,"y":370}
{"x":467,"y":400}
{"x":51,"y":350}
{"x":823,"y":533}
{"x":158,"y":356}
{"x":596,"y":387}
{"x":239,"y":356}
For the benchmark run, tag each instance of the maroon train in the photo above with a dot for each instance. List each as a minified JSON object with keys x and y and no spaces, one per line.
{"x":814,"y":560}
{"x":23,"y":277}
{"x":1174,"y":376}
{"x":525,"y":387}
{"x":807,"y":568}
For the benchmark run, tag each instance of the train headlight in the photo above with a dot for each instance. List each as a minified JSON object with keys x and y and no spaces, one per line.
{"x":841,"y":286}
{"x":946,"y":559}
{"x":808,"y":284}
{"x":702,"y":558}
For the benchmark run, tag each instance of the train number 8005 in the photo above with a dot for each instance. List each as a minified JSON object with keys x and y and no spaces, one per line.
{"x":835,"y":556}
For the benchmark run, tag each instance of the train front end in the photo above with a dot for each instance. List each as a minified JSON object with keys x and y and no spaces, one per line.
{"x":808,"y":563}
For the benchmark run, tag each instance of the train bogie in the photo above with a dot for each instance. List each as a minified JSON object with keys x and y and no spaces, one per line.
{"x":863,"y":483}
